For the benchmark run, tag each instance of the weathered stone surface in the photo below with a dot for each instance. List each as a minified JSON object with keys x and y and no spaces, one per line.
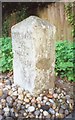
{"x":34,"y":54}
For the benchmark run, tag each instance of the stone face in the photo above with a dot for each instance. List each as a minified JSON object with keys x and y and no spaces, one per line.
{"x":34,"y":54}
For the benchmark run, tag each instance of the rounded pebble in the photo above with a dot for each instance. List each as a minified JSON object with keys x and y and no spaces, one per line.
{"x":55,"y":95}
{"x":31,"y":109}
{"x":37,"y":113}
{"x":20,"y":97}
{"x":26,"y":100}
{"x":45,"y":113}
{"x":51,"y":111}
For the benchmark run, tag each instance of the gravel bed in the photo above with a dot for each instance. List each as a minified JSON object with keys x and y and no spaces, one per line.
{"x":15,"y":102}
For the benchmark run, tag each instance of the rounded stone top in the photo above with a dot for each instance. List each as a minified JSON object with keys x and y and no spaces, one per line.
{"x":31,"y":22}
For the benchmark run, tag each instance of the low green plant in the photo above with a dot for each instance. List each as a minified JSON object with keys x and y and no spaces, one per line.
{"x":64,"y":59}
{"x":6,"y":55}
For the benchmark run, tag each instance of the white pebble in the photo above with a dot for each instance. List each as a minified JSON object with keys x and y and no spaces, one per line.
{"x":16,"y":114}
{"x":57,"y":114}
{"x":55,"y":95}
{"x":45,"y":98}
{"x":8,"y":86}
{"x":31,"y":108}
{"x":39,"y":98}
{"x":20,"y":97}
{"x":28,"y":95}
{"x":27,"y":105}
{"x":45,"y":113}
{"x":25,"y":114}
{"x":15,"y":93}
{"x":41,"y":110}
{"x":20,"y":90}
{"x":51,"y":91}
{"x":51,"y":101}
{"x":6,"y":109}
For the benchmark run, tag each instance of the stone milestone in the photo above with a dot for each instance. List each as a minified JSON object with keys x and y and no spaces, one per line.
{"x":33,"y":42}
